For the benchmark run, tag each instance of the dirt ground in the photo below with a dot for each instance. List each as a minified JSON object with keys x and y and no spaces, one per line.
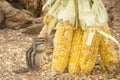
{"x":13,"y":46}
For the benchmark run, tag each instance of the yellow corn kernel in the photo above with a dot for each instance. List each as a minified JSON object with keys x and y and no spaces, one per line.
{"x":89,"y":53}
{"x":107,"y":50}
{"x":47,"y":19}
{"x":75,"y":51}
{"x":62,"y":45}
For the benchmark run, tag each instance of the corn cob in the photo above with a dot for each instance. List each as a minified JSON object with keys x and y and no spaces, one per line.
{"x":75,"y":51}
{"x":107,"y":50}
{"x":62,"y":45}
{"x":89,"y":53}
{"x":49,"y":24}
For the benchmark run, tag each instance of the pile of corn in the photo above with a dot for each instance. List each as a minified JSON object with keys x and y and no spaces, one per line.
{"x":82,"y":32}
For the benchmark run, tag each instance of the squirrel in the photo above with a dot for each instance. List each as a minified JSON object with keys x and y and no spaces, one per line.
{"x":39,"y":45}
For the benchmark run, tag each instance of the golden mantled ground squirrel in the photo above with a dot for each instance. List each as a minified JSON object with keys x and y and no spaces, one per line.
{"x":39,"y":45}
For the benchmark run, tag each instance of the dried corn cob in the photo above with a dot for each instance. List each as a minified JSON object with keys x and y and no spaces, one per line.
{"x":75,"y":51}
{"x":107,"y":50}
{"x":62,"y":45}
{"x":89,"y":53}
{"x":91,"y":16}
{"x":49,"y":24}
